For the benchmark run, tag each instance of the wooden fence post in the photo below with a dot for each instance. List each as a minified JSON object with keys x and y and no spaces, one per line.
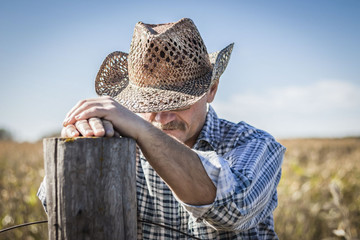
{"x":91,"y":188}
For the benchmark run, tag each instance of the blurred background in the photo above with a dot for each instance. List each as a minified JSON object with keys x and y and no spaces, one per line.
{"x":294,"y":72}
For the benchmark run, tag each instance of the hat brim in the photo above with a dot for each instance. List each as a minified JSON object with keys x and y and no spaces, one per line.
{"x":112,"y":80}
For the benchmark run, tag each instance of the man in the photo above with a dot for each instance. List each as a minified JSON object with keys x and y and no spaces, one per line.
{"x":204,"y":176}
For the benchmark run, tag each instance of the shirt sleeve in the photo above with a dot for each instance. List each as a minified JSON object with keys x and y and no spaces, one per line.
{"x":42,"y":193}
{"x":246,"y":179}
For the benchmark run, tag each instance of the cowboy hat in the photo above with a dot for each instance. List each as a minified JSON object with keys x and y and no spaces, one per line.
{"x":167,"y":68}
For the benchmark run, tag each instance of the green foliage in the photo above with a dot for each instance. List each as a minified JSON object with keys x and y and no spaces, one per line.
{"x":5,"y":135}
{"x":319,"y":193}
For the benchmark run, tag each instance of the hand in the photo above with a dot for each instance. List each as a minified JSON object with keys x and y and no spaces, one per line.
{"x":87,"y":128}
{"x":123,"y":120}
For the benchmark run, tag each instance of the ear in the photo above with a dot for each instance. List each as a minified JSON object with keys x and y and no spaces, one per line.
{"x":212,"y":92}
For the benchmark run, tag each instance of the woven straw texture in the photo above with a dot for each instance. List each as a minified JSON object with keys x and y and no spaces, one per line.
{"x":167,"y":68}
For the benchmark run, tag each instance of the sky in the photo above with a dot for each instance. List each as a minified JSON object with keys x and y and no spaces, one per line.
{"x":294,"y":70}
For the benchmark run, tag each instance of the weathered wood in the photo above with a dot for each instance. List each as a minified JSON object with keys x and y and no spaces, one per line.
{"x":91,"y":188}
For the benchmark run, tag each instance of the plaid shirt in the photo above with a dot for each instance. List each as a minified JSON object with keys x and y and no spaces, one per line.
{"x":244,"y":164}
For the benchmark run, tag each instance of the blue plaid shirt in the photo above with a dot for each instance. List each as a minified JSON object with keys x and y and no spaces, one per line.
{"x":244,"y":164}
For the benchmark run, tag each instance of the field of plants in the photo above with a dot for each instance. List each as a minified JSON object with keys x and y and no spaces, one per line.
{"x":319,"y":193}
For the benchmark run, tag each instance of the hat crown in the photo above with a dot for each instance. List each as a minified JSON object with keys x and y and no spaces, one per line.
{"x":167,"y":68}
{"x":167,"y":56}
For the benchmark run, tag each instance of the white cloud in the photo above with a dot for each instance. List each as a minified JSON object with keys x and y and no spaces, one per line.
{"x":323,"y":109}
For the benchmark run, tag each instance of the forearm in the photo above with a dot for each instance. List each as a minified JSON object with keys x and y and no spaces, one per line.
{"x":178,"y":166}
{"x":175,"y":163}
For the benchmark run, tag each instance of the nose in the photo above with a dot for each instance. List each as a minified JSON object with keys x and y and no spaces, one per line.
{"x":164,"y":117}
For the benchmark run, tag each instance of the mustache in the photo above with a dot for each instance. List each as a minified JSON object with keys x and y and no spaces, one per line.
{"x":174,"y":125}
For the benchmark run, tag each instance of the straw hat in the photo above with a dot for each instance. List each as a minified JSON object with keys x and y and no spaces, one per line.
{"x":167,"y":68}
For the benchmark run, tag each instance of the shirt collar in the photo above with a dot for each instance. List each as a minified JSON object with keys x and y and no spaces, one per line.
{"x":210,"y":133}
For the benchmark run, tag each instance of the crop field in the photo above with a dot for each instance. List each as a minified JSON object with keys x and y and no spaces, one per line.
{"x":319,"y":193}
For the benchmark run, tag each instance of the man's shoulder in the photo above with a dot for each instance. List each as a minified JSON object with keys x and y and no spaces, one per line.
{"x":241,"y":133}
{"x":225,"y":135}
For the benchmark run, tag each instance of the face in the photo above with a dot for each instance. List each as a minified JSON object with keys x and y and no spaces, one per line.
{"x":184,"y":124}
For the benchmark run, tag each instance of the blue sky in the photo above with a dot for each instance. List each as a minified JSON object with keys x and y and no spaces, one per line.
{"x":294,"y":71}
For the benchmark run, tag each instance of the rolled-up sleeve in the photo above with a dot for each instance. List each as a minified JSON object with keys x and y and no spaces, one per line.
{"x":246,"y":179}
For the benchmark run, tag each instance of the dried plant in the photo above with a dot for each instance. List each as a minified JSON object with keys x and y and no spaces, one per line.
{"x":319,"y":193}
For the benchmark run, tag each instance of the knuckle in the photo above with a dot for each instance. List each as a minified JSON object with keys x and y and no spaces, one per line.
{"x":69,"y":127}
{"x":94,"y":120}
{"x":97,"y":126}
{"x":96,"y":109}
{"x":90,"y":110}
{"x":80,"y":123}
{"x":86,"y":104}
{"x":81,"y":102}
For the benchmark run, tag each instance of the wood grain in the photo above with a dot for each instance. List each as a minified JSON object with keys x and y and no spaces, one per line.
{"x":91,"y":188}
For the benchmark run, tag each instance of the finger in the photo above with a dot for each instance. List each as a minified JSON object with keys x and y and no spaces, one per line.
{"x":77,"y":105}
{"x":97,"y":127}
{"x":84,"y":128}
{"x":90,"y":108}
{"x":87,"y":106}
{"x":117,"y":134}
{"x":109,"y":128}
{"x":80,"y":105}
{"x":90,"y":111}
{"x":75,"y":111}
{"x":69,"y":131}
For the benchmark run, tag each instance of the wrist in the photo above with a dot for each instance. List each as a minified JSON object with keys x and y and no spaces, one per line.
{"x":145,"y":131}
